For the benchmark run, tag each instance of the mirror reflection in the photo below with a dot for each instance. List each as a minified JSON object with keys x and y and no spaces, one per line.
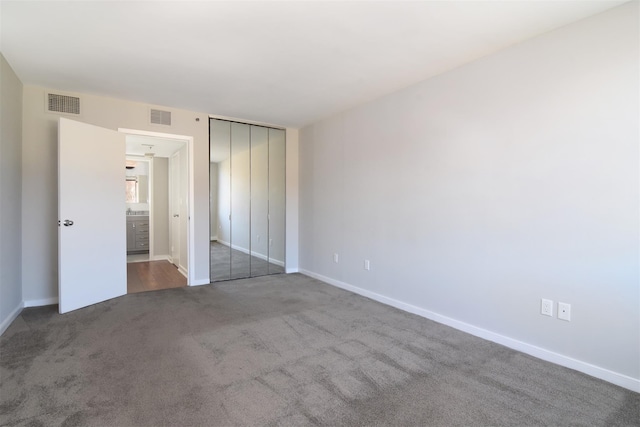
{"x":137,"y":181}
{"x":247,"y":204}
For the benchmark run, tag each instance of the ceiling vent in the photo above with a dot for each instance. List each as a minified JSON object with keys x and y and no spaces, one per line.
{"x":160,"y":117}
{"x":63,"y":104}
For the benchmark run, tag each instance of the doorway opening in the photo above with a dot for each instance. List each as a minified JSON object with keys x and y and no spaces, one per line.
{"x":159,"y":234}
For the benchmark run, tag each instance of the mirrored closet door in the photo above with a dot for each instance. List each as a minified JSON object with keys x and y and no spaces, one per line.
{"x":247,"y":200}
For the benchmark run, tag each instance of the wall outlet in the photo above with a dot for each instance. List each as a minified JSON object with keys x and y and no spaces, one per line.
{"x":335,"y":258}
{"x":564,"y":311}
{"x":367,"y":264}
{"x":546,"y":307}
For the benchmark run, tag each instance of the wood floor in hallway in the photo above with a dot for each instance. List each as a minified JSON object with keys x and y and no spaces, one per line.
{"x":153,"y":276}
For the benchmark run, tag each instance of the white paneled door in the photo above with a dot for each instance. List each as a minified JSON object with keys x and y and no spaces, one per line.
{"x":174,"y":207}
{"x":91,"y":213}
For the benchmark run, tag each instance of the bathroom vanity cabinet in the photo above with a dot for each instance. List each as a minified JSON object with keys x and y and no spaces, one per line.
{"x":137,"y":234}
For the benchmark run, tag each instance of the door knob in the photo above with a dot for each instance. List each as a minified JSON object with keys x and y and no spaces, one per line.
{"x":67,"y":223}
{"x":176,"y":215}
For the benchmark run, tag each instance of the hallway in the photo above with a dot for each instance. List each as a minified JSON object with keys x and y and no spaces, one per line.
{"x":153,"y":276}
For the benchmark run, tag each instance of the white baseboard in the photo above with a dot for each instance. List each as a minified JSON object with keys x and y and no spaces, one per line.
{"x":11,"y":317}
{"x":40,"y":302}
{"x":200,"y":282}
{"x":152,"y":258}
{"x":616,"y":378}
{"x":292,"y":270}
{"x":214,"y":238}
{"x":183,"y":271}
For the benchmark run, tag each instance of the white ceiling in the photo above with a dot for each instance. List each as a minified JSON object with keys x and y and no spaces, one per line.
{"x":139,"y":145}
{"x":284,"y":63}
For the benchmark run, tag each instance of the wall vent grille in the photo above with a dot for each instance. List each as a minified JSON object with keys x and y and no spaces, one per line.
{"x":63,"y":104}
{"x":160,"y":117}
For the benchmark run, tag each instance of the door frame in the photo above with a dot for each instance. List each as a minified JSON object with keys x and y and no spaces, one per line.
{"x":190,"y":193}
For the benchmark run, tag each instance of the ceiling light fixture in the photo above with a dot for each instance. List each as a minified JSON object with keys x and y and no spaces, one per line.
{"x":149,"y":152}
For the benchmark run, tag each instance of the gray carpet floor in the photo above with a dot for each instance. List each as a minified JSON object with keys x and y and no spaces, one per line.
{"x":282,"y":350}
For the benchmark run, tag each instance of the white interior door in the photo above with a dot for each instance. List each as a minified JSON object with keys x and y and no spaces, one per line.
{"x":183,"y":204}
{"x":174,"y":204}
{"x":91,"y":210}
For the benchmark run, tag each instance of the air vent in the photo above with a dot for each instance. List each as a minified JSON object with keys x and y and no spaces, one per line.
{"x":63,"y":104}
{"x":160,"y":117}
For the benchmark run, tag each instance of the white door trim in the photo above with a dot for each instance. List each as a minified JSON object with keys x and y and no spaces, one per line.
{"x":191,"y":194}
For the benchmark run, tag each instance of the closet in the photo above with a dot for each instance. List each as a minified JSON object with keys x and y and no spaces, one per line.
{"x":247,"y":200}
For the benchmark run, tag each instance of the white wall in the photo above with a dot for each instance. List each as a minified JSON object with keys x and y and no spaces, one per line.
{"x":478,"y":192}
{"x":10,"y":194}
{"x":292,"y":199}
{"x":39,"y":175}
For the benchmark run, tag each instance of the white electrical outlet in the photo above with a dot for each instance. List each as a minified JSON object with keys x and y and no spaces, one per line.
{"x":335,"y":258}
{"x":367,"y":264}
{"x":564,"y":311}
{"x":546,"y":307}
